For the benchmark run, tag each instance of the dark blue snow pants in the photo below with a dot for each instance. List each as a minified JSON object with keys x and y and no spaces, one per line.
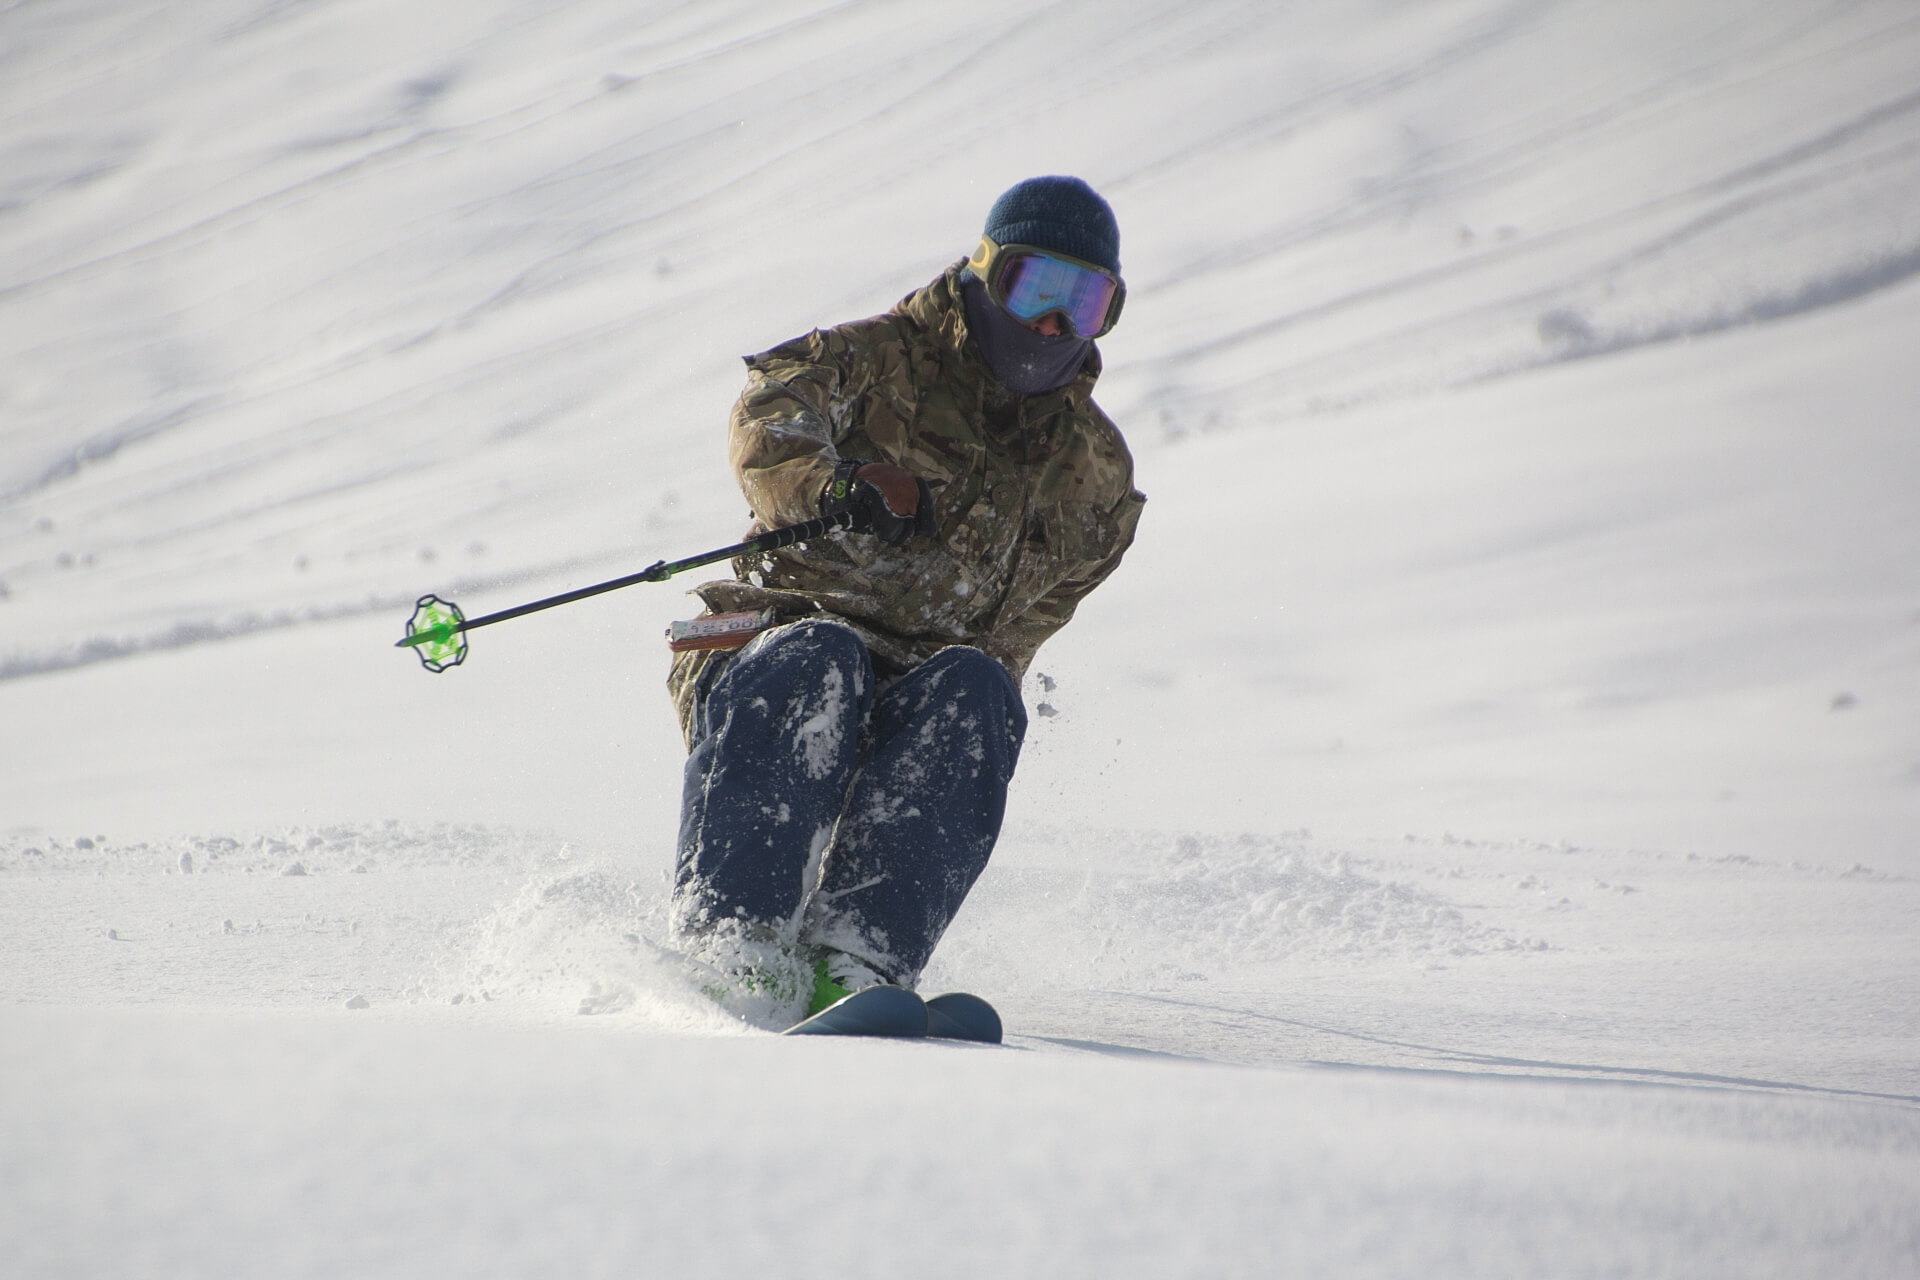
{"x":820,"y":810}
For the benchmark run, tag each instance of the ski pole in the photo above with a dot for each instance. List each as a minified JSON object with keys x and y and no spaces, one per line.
{"x":437,"y":630}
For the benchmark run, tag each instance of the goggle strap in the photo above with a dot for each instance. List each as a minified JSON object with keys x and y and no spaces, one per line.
{"x":983,"y":257}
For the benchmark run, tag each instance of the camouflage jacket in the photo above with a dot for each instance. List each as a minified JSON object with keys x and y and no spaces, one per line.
{"x":1034,"y":494}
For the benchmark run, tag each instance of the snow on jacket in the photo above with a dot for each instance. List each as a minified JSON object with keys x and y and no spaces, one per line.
{"x":1034,"y":494}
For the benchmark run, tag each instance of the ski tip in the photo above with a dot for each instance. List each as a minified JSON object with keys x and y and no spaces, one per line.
{"x":959,"y":1016}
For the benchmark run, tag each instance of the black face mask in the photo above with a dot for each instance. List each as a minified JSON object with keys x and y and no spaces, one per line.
{"x":1025,"y":362}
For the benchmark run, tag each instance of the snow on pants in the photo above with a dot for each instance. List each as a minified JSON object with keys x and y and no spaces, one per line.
{"x":819,"y":810}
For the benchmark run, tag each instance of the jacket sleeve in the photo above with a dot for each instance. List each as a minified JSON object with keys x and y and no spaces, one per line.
{"x":798,"y":407}
{"x":1014,"y":643}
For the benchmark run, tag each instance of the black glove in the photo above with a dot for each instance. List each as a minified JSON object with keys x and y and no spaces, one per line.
{"x":887,"y":501}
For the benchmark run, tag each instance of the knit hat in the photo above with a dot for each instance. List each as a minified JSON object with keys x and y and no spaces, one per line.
{"x":1062,"y":214}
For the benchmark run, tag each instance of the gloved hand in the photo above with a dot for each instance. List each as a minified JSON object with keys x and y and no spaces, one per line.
{"x":890,"y":502}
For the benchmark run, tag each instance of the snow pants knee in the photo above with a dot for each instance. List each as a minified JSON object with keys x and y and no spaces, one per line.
{"x":822,"y":809}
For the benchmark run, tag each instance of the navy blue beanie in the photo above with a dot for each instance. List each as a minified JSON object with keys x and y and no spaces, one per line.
{"x":1062,"y":214}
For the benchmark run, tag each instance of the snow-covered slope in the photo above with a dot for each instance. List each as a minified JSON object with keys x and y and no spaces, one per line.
{"x":1516,"y":676}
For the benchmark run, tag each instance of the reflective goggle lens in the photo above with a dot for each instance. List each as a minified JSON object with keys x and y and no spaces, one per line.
{"x":1033,"y":284}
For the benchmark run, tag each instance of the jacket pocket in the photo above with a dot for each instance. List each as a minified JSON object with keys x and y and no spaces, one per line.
{"x":1077,"y":535}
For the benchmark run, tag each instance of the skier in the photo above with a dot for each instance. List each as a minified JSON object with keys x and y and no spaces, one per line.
{"x":848,"y":764}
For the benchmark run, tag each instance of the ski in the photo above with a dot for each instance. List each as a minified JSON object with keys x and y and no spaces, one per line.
{"x":897,"y":1013}
{"x":871,"y":1011}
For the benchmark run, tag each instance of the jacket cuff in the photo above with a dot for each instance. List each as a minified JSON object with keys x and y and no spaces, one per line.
{"x":838,"y":495}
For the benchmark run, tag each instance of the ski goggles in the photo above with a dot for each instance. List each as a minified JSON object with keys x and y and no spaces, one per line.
{"x":1030,"y":283}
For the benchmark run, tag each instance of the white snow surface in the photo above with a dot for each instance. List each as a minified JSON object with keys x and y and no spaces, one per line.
{"x":1476,"y":833}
